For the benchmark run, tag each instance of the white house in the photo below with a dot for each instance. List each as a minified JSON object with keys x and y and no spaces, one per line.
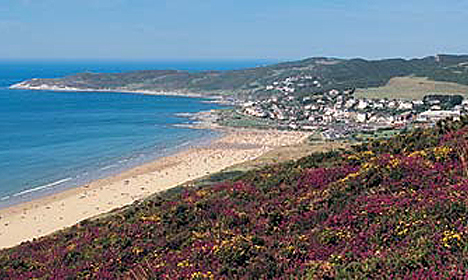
{"x":433,"y":116}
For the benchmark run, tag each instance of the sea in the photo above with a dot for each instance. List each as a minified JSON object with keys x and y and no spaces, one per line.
{"x":52,"y":141}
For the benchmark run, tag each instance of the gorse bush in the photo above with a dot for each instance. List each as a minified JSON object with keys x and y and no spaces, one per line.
{"x":394,"y":208}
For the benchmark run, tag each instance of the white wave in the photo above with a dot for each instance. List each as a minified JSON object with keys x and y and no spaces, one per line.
{"x":186,"y":143}
{"x":109,"y":167}
{"x":42,"y":187}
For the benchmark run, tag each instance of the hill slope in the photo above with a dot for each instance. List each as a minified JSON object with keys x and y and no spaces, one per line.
{"x":330,"y":72}
{"x":393,"y":208}
{"x":411,"y":88}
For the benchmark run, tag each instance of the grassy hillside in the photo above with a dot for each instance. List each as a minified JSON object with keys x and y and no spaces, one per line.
{"x":390,"y":209}
{"x":411,"y":88}
{"x":331,"y":72}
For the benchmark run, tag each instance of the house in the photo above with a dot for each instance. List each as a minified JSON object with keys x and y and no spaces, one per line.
{"x":350,"y":103}
{"x":361,"y":117}
{"x":433,"y":116}
{"x":362,"y":104}
{"x":381,"y":118}
{"x":405,"y":106}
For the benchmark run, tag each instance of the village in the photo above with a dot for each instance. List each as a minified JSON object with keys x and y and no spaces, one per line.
{"x":338,"y":114}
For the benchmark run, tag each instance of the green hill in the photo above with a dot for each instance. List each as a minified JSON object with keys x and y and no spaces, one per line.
{"x":393,"y":209}
{"x":330,"y":72}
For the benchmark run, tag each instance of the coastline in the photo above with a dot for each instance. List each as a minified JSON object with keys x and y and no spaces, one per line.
{"x":43,"y":87}
{"x":111,"y":168}
{"x":28,"y":190}
{"x":46,"y":215}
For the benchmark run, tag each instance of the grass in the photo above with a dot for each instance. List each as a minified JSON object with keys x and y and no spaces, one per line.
{"x":382,"y":134}
{"x":232,"y":118}
{"x":411,"y":88}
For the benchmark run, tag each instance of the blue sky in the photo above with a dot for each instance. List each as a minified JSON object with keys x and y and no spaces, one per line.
{"x":222,"y":29}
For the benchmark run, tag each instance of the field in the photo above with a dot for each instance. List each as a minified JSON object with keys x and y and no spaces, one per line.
{"x":411,"y":88}
{"x":383,"y":134}
{"x":232,"y":118}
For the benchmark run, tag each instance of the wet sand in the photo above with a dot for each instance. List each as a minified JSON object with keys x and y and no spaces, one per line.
{"x":46,"y":215}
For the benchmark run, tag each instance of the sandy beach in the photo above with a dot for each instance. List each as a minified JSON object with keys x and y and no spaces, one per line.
{"x":46,"y":215}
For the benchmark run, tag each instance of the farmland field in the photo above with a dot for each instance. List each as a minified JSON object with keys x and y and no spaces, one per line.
{"x":411,"y":88}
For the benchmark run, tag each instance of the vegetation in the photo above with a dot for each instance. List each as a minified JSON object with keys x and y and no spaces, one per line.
{"x":411,"y":88}
{"x":379,"y":134}
{"x":445,"y":101}
{"x":332,"y":74}
{"x":394,"y":208}
{"x":231,"y":118}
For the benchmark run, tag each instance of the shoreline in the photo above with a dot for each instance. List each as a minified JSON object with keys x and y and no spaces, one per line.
{"x":46,"y":215}
{"x":214,"y":98}
{"x":44,"y":189}
{"x":112,"y":168}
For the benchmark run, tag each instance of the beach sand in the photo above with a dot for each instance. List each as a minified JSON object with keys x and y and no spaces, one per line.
{"x":46,"y":215}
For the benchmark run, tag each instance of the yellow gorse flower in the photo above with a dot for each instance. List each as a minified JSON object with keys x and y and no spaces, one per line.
{"x":184,"y":263}
{"x":441,"y":152}
{"x":201,"y":275}
{"x":153,"y":218}
{"x":202,"y":193}
{"x":422,"y":154}
{"x":394,"y":163}
{"x":350,"y":176}
{"x":361,"y":155}
{"x":451,"y":237}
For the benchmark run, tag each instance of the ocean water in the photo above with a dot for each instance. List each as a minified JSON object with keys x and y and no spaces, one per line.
{"x":50,"y":141}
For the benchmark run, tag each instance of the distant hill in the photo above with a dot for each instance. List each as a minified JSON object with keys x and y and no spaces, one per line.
{"x":387,"y":209}
{"x":327,"y":72}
